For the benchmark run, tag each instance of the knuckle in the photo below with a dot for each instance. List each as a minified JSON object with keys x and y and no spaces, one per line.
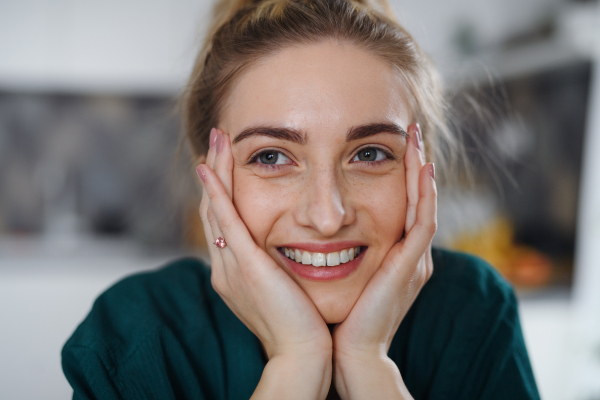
{"x":424,"y":274}
{"x":214,"y":195}
{"x":429,"y":272}
{"x":421,"y":279}
{"x":398,"y":262}
{"x":228,"y":223}
{"x":431,"y":227}
{"x":210,"y":217}
{"x":203,"y":204}
{"x":421,"y":276}
{"x":202,"y":213}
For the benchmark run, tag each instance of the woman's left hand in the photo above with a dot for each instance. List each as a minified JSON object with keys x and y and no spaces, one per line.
{"x":362,"y":368}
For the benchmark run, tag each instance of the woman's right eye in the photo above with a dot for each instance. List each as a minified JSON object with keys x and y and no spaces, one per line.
{"x":271,"y":157}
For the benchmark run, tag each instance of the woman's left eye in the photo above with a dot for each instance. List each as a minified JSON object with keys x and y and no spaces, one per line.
{"x":272,"y":157}
{"x":370,"y":154}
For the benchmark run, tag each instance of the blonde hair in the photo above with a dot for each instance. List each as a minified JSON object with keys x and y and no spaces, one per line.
{"x":243,"y":31}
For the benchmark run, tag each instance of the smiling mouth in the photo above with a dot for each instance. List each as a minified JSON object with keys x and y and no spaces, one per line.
{"x":321,"y":259}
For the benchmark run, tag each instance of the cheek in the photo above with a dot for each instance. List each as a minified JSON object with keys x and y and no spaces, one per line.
{"x":258,"y":203}
{"x":385,"y":203}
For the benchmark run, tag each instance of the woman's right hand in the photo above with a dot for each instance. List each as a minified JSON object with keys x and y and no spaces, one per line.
{"x":259,"y":292}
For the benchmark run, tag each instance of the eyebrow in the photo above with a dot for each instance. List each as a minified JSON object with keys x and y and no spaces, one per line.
{"x":289,"y":134}
{"x":295,"y":136}
{"x":363,"y":131}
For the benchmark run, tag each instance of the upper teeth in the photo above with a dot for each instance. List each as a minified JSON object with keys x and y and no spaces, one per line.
{"x":322,"y":259}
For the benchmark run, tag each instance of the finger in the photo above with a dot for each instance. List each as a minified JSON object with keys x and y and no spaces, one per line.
{"x":418,"y":239}
{"x":212,"y":141}
{"x":216,"y":254}
{"x":414,"y":161}
{"x":204,"y":203}
{"x":428,"y":263}
{"x":210,"y":228}
{"x":228,"y":221}
{"x":223,"y":165}
{"x":210,"y":158}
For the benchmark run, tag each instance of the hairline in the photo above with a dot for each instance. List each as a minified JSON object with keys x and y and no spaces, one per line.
{"x":253,"y":61}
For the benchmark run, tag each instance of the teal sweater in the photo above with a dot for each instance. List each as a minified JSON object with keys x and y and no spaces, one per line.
{"x":166,"y":334}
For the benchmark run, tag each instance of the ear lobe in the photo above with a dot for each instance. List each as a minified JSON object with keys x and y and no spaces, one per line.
{"x":201,"y":159}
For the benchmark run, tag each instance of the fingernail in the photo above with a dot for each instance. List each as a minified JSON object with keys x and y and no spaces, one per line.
{"x":432,"y":170}
{"x":213,"y":138}
{"x":416,"y":140}
{"x":413,"y":131}
{"x":419,"y":132}
{"x":200,"y":172}
{"x":219,"y":143}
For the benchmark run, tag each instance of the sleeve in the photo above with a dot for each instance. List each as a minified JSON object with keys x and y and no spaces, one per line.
{"x":88,"y":376}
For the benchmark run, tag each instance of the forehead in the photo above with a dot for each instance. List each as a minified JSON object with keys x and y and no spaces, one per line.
{"x":322,"y":87}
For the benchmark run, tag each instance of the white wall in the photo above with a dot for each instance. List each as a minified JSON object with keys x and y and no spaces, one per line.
{"x":434,"y":22}
{"x":148,"y":46}
{"x":587,"y":282}
{"x":46,"y":289}
{"x":99,"y":46}
{"x":586,"y":289}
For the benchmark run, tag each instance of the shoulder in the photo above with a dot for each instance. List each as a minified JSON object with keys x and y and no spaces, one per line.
{"x":142,"y":304}
{"x":462,"y":336}
{"x":468,"y":277}
{"x":464,"y":294}
{"x":162,"y":334}
{"x":465,"y":297}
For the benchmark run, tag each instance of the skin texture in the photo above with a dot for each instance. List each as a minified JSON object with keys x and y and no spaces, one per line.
{"x":321,"y":192}
{"x":323,"y":90}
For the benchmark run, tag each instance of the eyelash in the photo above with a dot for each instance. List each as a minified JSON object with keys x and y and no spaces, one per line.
{"x":388,"y":156}
{"x":254,"y":158}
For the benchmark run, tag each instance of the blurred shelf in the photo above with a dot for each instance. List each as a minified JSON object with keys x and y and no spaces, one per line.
{"x":33,"y":254}
{"x":79,"y":84}
{"x":506,"y":64}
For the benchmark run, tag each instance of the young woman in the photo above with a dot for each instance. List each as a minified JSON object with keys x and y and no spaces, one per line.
{"x":312,"y":121}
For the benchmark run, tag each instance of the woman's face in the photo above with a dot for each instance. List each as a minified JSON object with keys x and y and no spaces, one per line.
{"x":319,"y":165}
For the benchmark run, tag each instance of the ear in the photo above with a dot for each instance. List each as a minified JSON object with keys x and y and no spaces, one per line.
{"x":201,"y":159}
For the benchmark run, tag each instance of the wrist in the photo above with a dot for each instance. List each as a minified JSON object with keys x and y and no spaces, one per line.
{"x":355,"y":363}
{"x":368,"y":374}
{"x":295,"y":376}
{"x":317,"y":349}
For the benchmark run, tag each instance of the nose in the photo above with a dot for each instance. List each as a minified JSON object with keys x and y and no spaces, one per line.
{"x":322,"y":204}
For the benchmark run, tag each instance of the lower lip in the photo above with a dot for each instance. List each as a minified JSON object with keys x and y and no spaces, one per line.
{"x":324,"y":273}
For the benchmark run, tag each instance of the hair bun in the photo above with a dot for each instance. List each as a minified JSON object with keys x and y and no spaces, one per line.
{"x":224,"y":10}
{"x":381,"y":6}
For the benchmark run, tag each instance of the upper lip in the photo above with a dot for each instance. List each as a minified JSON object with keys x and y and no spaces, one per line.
{"x":328,"y":247}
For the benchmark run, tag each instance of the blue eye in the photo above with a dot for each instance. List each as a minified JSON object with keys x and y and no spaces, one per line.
{"x":272,"y":157}
{"x":370,"y":154}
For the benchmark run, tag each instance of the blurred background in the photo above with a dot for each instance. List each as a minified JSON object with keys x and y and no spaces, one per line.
{"x":94,"y":184}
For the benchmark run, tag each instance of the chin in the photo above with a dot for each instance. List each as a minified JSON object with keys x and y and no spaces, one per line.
{"x":333,"y":310}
